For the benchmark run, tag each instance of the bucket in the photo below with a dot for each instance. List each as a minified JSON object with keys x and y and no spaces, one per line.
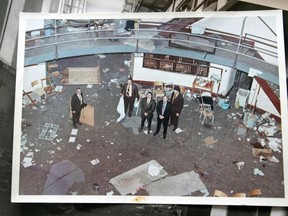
{"x":249,"y":119}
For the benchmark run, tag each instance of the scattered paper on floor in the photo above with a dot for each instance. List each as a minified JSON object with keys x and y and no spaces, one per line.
{"x":154,"y":170}
{"x":178,"y":130}
{"x":72,"y":139}
{"x":258,"y":172}
{"x":74,"y":132}
{"x":27,"y":162}
{"x":240,"y":165}
{"x":95,"y":161}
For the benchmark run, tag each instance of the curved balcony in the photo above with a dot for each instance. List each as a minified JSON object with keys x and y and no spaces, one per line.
{"x":239,"y":53}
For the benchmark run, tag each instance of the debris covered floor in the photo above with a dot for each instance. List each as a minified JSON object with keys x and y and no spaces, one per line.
{"x":92,"y":156}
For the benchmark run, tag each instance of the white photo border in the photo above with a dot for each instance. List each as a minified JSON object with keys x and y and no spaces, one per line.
{"x":17,"y":198}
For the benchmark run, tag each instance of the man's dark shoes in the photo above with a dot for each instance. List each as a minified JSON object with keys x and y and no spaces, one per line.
{"x":140,"y":129}
{"x":174,"y":128}
{"x":75,"y":126}
{"x":79,"y":123}
{"x":164,"y":136}
{"x":155,"y":133}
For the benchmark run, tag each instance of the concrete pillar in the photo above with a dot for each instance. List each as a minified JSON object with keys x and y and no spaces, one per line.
{"x":46,"y":6}
{"x":218,"y":211}
{"x":10,"y":36}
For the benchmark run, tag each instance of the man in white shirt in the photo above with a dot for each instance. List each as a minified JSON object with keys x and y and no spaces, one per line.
{"x":130,"y":93}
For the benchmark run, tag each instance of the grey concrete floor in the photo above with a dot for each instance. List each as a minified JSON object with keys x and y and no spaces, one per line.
{"x":189,"y":145}
{"x":120,"y":150}
{"x":7,"y":85}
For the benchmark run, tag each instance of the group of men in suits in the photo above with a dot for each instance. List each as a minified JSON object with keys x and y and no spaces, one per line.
{"x":166,"y":109}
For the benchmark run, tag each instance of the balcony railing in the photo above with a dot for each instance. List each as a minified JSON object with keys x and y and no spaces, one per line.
{"x":68,"y":40}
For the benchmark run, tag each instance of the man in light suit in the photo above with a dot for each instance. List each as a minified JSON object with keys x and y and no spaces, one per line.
{"x":163,"y":113}
{"x":147,"y":106}
{"x":177,"y":102}
{"x":76,"y":106}
{"x":130,"y":93}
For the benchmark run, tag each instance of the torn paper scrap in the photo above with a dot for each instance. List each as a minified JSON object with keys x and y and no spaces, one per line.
{"x":274,"y":159}
{"x":205,"y":192}
{"x":178,"y":130}
{"x":106,"y":70}
{"x":72,"y":139}
{"x":127,"y":63}
{"x":110,"y":193}
{"x":95,"y":161}
{"x":27,"y":162}
{"x":74,"y":132}
{"x":113,"y":80}
{"x":154,"y":170}
{"x":262,"y":159}
{"x":58,"y":88}
{"x":240,"y":165}
{"x":258,"y":172}
{"x":89,"y":86}
{"x":274,"y":144}
{"x":29,"y":154}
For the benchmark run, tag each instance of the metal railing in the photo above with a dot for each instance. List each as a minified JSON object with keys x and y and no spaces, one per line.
{"x":82,"y":36}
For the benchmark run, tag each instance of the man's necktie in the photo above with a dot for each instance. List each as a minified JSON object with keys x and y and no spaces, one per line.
{"x":80,"y":98}
{"x":128,"y":91}
{"x":163,"y":108}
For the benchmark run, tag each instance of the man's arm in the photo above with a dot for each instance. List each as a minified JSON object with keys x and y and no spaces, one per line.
{"x":73,"y":104}
{"x":136,"y":92}
{"x":181,"y":103}
{"x":152,"y":107}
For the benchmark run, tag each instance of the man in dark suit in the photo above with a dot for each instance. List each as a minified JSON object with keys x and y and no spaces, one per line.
{"x":76,"y":106}
{"x":177,"y":103}
{"x":130,"y":93}
{"x":147,"y":106}
{"x":163,"y":114}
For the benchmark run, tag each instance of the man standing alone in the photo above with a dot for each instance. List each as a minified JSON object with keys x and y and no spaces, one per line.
{"x":163,"y":114}
{"x":177,"y":103}
{"x":130,"y":93}
{"x":76,"y":106}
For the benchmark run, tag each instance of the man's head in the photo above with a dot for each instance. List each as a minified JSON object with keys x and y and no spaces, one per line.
{"x":78,"y":91}
{"x":176,"y":89}
{"x":165,"y":98}
{"x":149,"y":95}
{"x":129,"y":81}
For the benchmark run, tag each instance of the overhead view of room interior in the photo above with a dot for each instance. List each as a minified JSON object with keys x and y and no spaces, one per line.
{"x":228,"y":141}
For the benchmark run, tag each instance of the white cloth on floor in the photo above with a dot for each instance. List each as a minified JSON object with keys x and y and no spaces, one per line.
{"x":121,"y":109}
